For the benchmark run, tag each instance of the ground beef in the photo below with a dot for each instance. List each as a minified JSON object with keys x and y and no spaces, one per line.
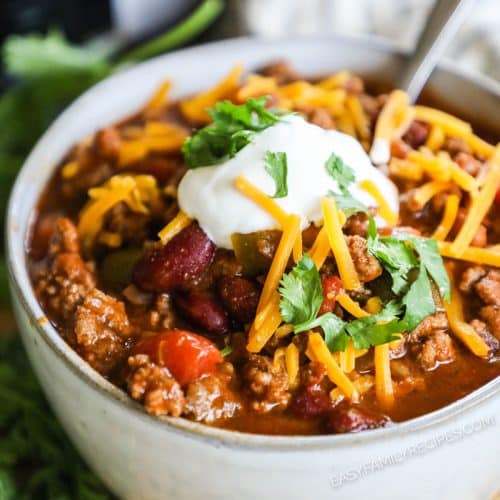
{"x":436,"y":350}
{"x":468,"y":163}
{"x":488,"y":287}
{"x":102,"y":331}
{"x":213,"y":397}
{"x":491,"y":314}
{"x":154,"y":386}
{"x":485,"y":282}
{"x":91,"y":173}
{"x":64,"y":279}
{"x":455,"y":146}
{"x":481,"y":328}
{"x":107,"y":143}
{"x":281,"y":71}
{"x":357,"y":225}
{"x":417,"y":134}
{"x":267,"y":385}
{"x":317,"y":116}
{"x":433,"y":323}
{"x":131,"y":226}
{"x":367,"y":266}
{"x":470,"y":277}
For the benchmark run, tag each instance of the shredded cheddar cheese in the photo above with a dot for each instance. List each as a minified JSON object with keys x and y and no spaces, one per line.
{"x":159,"y":97}
{"x":464,"y":331}
{"x":338,"y":244}
{"x":175,"y":226}
{"x":136,"y":191}
{"x":351,"y":306}
{"x":388,"y":122}
{"x":358,"y":117}
{"x":383,"y":382}
{"x":255,"y":86}
{"x":449,"y":124}
{"x":373,"y":305}
{"x":479,"y":207}
{"x":427,"y":191}
{"x":436,"y":138}
{"x":449,"y":216}
{"x":405,"y":169}
{"x":363,"y":384}
{"x":70,"y":169}
{"x":195,"y":109}
{"x":261,"y":199}
{"x":486,"y":256}
{"x":385,"y":210}
{"x":320,"y":249}
{"x":335,"y":374}
{"x":292,"y":363}
{"x":350,"y":357}
{"x":335,"y":81}
{"x":258,"y":336}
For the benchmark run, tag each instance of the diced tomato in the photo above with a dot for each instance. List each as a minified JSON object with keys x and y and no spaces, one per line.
{"x":187,"y":355}
{"x":331,"y":288}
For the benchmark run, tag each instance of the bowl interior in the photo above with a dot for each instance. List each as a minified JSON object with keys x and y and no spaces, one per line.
{"x":192,"y":70}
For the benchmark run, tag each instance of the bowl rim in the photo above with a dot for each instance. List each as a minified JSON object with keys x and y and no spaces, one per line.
{"x":23,"y":292}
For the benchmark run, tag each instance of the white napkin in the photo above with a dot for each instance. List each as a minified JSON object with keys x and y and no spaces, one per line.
{"x":477,"y":45}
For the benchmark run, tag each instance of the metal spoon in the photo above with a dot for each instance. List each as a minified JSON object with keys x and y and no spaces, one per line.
{"x":443,"y":23}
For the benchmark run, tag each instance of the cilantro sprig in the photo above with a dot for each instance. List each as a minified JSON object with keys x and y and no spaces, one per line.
{"x":232,"y":128}
{"x":301,"y":297}
{"x":411,"y":275}
{"x":277,"y":167}
{"x":343,"y":174}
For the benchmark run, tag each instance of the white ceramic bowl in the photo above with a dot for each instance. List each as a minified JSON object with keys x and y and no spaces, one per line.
{"x":451,"y":453}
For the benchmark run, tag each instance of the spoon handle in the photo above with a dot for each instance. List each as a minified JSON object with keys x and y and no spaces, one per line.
{"x":442,"y":24}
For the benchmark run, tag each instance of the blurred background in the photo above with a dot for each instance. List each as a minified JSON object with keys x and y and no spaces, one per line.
{"x":53,"y":50}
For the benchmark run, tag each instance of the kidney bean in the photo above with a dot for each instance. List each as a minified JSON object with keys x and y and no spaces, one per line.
{"x":314,"y":398}
{"x":417,"y":134}
{"x":240,"y":297}
{"x":311,"y":403}
{"x":201,"y":309}
{"x":347,"y":419}
{"x":175,"y":264}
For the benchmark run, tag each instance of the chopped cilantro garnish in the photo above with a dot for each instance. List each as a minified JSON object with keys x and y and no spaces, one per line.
{"x":232,"y":129}
{"x":347,"y":203}
{"x":419,"y":301}
{"x":276,"y":167}
{"x":344,"y":176}
{"x":301,"y":293}
{"x":301,"y":297}
{"x":396,"y":258}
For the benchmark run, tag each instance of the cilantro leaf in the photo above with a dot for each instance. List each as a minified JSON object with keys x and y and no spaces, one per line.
{"x":344,"y":176}
{"x":276,"y":167}
{"x":333,"y":328}
{"x":376,"y":329}
{"x":419,"y":301}
{"x":396,"y":258}
{"x":301,"y":293}
{"x":428,"y":252}
{"x":340,"y":172}
{"x":347,"y":203}
{"x":232,"y":128}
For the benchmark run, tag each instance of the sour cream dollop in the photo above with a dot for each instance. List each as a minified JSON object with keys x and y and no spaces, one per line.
{"x":209,"y":195}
